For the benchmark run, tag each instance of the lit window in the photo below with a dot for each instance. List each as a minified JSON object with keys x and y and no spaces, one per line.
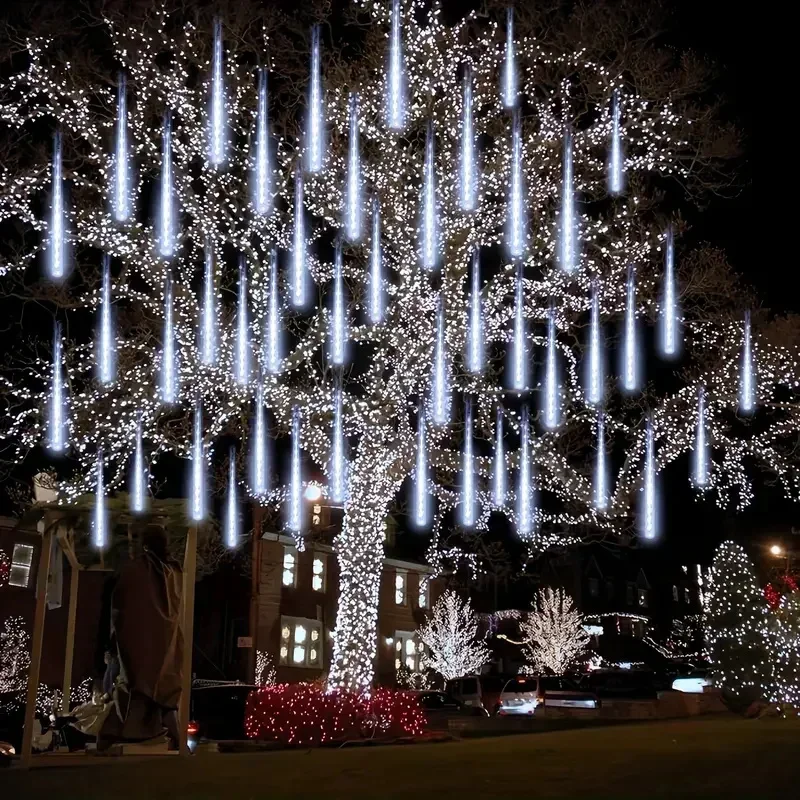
{"x":408,"y":651}
{"x":687,"y":597}
{"x":643,"y":598}
{"x":674,"y":592}
{"x":289,"y":566}
{"x":423,"y":592}
{"x":400,"y":584}
{"x":300,"y":642}
{"x":21,"y":560}
{"x":318,"y":573}
{"x":316,"y":515}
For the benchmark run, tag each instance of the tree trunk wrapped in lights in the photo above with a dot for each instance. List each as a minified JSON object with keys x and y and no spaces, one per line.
{"x":392,"y":333}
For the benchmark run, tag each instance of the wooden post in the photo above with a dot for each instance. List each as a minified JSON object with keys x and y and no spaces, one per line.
{"x":189,"y":572}
{"x":255,"y":585}
{"x":36,"y":644}
{"x":66,"y":685}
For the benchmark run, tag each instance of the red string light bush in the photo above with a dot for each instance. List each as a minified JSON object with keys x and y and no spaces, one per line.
{"x":304,"y":715}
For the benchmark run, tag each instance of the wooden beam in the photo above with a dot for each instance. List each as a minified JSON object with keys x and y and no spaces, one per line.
{"x":189,"y":572}
{"x":66,"y":685}
{"x":36,"y":645}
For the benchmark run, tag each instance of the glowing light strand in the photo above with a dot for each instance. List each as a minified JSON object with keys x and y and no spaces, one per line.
{"x":57,"y":428}
{"x":516,"y":192}
{"x":100,"y":521}
{"x":241,"y":370}
{"x":338,"y":340}
{"x":601,"y":466}
{"x":262,"y":189}
{"x":197,"y":475}
{"x":440,"y":389}
{"x":421,"y":504}
{"x":273,"y":351}
{"x":475,"y":348}
{"x":551,"y":416}
{"x":166,"y":214}
{"x":315,"y":123}
{"x":509,"y":87}
{"x":259,"y":464}
{"x":630,"y":377}
{"x":106,"y":351}
{"x":121,"y":177}
{"x":376,"y":267}
{"x":294,"y":520}
{"x":616,"y":159}
{"x":139,"y":476}
{"x":747,"y":372}
{"x":649,"y":502}
{"x":595,"y":378}
{"x":217,"y":120}
{"x":468,"y":499}
{"x":299,"y":266}
{"x":669,"y":339}
{"x":701,"y":460}
{"x":468,"y":185}
{"x":429,"y":243}
{"x":353,"y":209}
{"x":208,"y":313}
{"x":57,"y":244}
{"x":338,"y":466}
{"x":169,"y":355}
{"x":519,"y":354}
{"x":499,"y":477}
{"x":395,"y":79}
{"x":232,"y":517}
{"x":524,"y":485}
{"x":568,"y":233}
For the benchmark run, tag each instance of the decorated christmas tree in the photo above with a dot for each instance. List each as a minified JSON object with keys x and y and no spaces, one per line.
{"x":412,"y":281}
{"x":736,"y":627}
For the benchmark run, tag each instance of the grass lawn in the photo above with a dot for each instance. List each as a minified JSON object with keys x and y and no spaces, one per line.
{"x":724,"y":757}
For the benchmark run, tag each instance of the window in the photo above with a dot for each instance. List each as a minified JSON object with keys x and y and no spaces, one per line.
{"x":629,"y":594}
{"x":21,"y":560}
{"x":424,"y":589}
{"x":400,"y":587}
{"x":594,"y":587}
{"x":408,"y":651}
{"x":643,"y":598}
{"x":687,"y":596}
{"x":301,"y":642}
{"x":674,"y":592}
{"x":289,"y":566}
{"x":316,"y":515}
{"x":318,"y":572}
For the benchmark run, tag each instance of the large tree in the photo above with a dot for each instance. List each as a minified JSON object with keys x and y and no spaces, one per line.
{"x":423,"y":149}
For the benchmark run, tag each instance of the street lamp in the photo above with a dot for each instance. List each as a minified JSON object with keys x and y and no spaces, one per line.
{"x":776,"y":550}
{"x":313,"y":492}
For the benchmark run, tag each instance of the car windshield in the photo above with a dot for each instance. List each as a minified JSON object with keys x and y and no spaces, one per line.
{"x":521,"y":685}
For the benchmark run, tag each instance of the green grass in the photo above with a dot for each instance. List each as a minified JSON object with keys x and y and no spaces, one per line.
{"x":724,"y":757}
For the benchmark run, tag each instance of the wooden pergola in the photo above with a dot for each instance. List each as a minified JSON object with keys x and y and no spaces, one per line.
{"x":60,"y":523}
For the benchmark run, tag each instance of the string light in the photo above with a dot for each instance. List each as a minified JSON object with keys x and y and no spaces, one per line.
{"x":629,"y":378}
{"x":294,"y":520}
{"x":468,"y":194}
{"x":551,"y":416}
{"x":232,"y":517}
{"x":57,"y":256}
{"x":519,"y":351}
{"x":167,"y":222}
{"x":139,"y":476}
{"x":700,"y":444}
{"x":218,"y":123}
{"x":106,"y":362}
{"x":121,"y":189}
{"x":338,"y":459}
{"x":169,"y":355}
{"x":241,"y":369}
{"x":569,"y":256}
{"x":499,"y":476}
{"x":208,"y":314}
{"x":516,"y":191}
{"x":273,"y":324}
{"x":468,"y":509}
{"x":262,"y":176}
{"x":338,"y":343}
{"x":299,"y":246}
{"x":595,"y":377}
{"x":747,"y":392}
{"x":395,"y":79}
{"x":649,"y":501}
{"x":100,"y":520}
{"x":601,"y":467}
{"x":421,"y":516}
{"x":259,"y":464}
{"x":353,"y":212}
{"x":315,"y":122}
{"x":440,"y":389}
{"x":57,"y":433}
{"x":509,"y":89}
{"x":429,"y":226}
{"x":616,"y":161}
{"x":475,"y":334}
{"x":197,"y":485}
{"x":525,"y":482}
{"x":670,"y":314}
{"x":376,"y":267}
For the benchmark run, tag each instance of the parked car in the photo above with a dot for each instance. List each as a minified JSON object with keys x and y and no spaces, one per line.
{"x":440,"y":708}
{"x":621,"y":684}
{"x":693,"y":683}
{"x":506,"y":695}
{"x":217,"y":711}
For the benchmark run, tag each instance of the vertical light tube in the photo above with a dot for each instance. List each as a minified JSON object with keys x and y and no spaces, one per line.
{"x":106,"y":350}
{"x":100,"y":522}
{"x":468,"y":499}
{"x":616,"y":158}
{"x":121,"y":178}
{"x":57,"y":423}
{"x":217,"y":123}
{"x":338,"y":466}
{"x":395,"y":79}
{"x":551,"y":411}
{"x":519,"y":355}
{"x":299,"y":266}
{"x":701,"y":465}
{"x":139,"y":477}
{"x":166,"y":217}
{"x":241,"y":371}
{"x":747,"y":372}
{"x":669,"y":318}
{"x":468,"y":196}
{"x":421,"y":516}
{"x":376,"y":267}
{"x":515,"y":212}
{"x":595,"y":377}
{"x":568,"y":233}
{"x":57,"y":245}
{"x":232,"y":504}
{"x":499,"y":477}
{"x":208,"y":311}
{"x":259,"y":464}
{"x":197,"y":483}
{"x":169,"y":357}
{"x":525,"y":487}
{"x":338,"y":341}
{"x":475,"y":327}
{"x":273,"y":343}
{"x":601,"y":466}
{"x":315,"y":123}
{"x":509,"y":89}
{"x":429,"y":244}
{"x":631,"y":381}
{"x":262,"y":178}
{"x":649,"y":511}
{"x":295,"y":515}
{"x":353,"y":210}
{"x":440,"y":389}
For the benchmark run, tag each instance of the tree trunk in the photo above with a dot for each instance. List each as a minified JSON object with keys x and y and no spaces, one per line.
{"x":359,"y":549}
